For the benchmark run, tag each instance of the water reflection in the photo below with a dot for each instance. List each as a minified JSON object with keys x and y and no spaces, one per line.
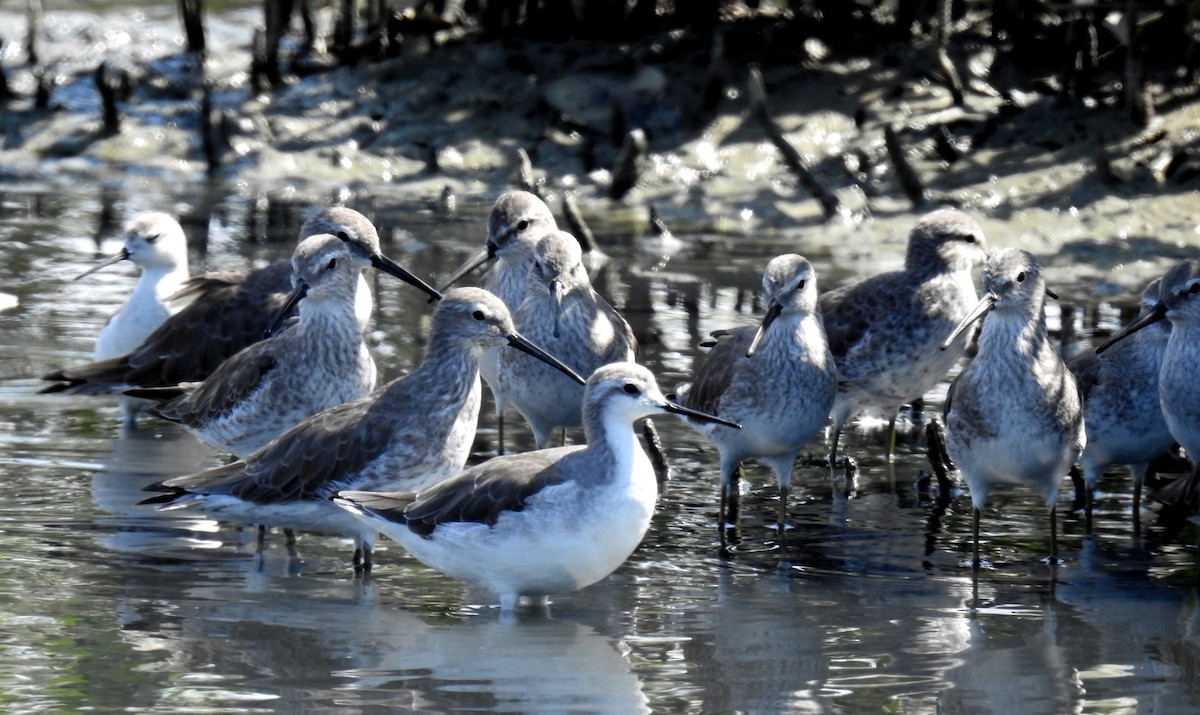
{"x":323,"y":643}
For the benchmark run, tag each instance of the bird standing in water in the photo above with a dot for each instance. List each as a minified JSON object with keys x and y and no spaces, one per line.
{"x":884,"y":331}
{"x":541,"y":522}
{"x":319,"y":362}
{"x":778,"y":381}
{"x":1178,"y":388}
{"x":1015,"y":414}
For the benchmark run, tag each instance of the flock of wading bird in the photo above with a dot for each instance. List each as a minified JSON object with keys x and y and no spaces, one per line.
{"x":271,"y":366}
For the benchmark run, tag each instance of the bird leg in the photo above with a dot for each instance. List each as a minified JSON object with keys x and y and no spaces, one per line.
{"x":975,"y":531}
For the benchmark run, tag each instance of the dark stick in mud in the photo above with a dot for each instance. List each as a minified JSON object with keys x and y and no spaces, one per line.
{"x":192,"y":14}
{"x":905,"y":173}
{"x":625,"y":172}
{"x":830,"y":205}
{"x":108,"y":99}
{"x":579,"y":228}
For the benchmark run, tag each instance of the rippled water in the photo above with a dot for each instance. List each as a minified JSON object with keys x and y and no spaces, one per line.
{"x":871,"y":608}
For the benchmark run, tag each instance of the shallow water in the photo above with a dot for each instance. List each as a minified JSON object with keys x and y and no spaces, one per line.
{"x":870,"y":608}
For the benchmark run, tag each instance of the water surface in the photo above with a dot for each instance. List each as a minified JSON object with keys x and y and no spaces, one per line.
{"x":870,"y":608}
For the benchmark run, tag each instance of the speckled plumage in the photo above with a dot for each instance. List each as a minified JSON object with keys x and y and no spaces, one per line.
{"x":318,"y":363}
{"x":782,"y":394}
{"x":155,"y":242}
{"x":229,"y":311}
{"x":1178,"y":388}
{"x":413,"y":432}
{"x":562,"y":313}
{"x":518,"y":220}
{"x":542,"y":522}
{"x":884,"y":331}
{"x":1015,"y":414}
{"x":1121,"y":412}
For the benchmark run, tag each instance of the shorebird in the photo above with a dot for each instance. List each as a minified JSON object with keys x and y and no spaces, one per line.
{"x":884,"y":331}
{"x":562,"y":313}
{"x":1178,"y":388}
{"x":543,"y":522}
{"x":1015,"y":414}
{"x":778,"y":381}
{"x":517,"y":221}
{"x":413,"y":432}
{"x":273,"y":384}
{"x":1121,"y":413}
{"x":155,"y":243}
{"x":230,"y":311}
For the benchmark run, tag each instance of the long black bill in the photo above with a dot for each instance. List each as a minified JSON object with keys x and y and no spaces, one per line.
{"x":773,"y":312}
{"x":519,"y":342}
{"x":697,"y":415}
{"x":1157,"y":313}
{"x":392,"y":268}
{"x":285,"y":312}
{"x":983,"y":308}
{"x":122,"y":256}
{"x":471,"y":264}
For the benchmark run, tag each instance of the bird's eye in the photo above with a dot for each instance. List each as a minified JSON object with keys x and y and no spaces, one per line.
{"x":1021,"y":277}
{"x":332,"y":264}
{"x":478,"y":315}
{"x":345,"y":237}
{"x":153,"y":238}
{"x":800,"y":285}
{"x":522,"y":224}
{"x":1194,"y":288}
{"x":631,"y":389}
{"x":969,"y":238}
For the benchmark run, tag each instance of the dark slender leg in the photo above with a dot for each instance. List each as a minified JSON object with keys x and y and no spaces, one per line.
{"x":891,"y":445}
{"x":1054,"y":536}
{"x":500,"y":433}
{"x":975,"y":530}
{"x":783,"y":515}
{"x":837,"y":432}
{"x":289,"y":535}
{"x":721,"y":520}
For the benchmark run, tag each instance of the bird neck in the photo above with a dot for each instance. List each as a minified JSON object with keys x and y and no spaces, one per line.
{"x":1025,"y":333}
{"x":364,"y":304}
{"x":508,"y":277}
{"x":329,"y":313}
{"x":610,"y":436}
{"x":158,"y":283}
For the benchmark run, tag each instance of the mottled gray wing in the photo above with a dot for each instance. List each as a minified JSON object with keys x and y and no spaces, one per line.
{"x":304,"y":462}
{"x":1087,"y":367}
{"x":229,"y":312}
{"x":479,"y":494}
{"x":848,"y":313}
{"x":715,"y":374}
{"x":190,"y":345}
{"x":233,"y":381}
